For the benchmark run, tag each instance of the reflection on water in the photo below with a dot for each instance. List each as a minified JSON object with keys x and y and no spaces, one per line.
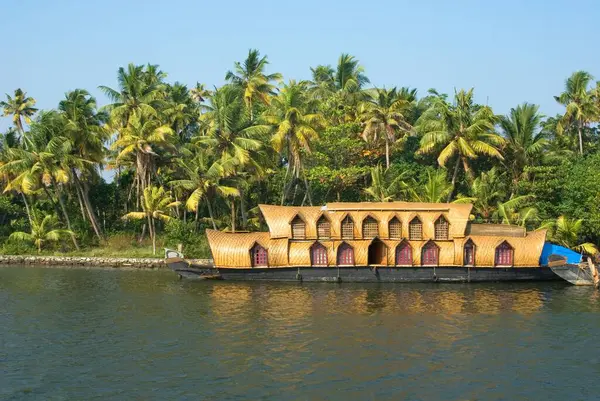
{"x":99,"y":334}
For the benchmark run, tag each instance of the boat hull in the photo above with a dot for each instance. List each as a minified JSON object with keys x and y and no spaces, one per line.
{"x":366,"y":274}
{"x":574,"y":274}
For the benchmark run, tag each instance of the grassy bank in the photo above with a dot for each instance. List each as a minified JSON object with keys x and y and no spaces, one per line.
{"x":115,"y":246}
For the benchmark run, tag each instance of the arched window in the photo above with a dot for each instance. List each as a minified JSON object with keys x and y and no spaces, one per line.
{"x":318,"y":255}
{"x":415,"y":229}
{"x":430,"y":254}
{"x":441,"y":229}
{"x":370,"y":228}
{"x":258,"y":254}
{"x":395,"y":228}
{"x":469,"y":254}
{"x":345,"y":255}
{"x":348,"y":228}
{"x":504,"y":255}
{"x":298,"y":228}
{"x":323,"y":228}
{"x":404,"y":254}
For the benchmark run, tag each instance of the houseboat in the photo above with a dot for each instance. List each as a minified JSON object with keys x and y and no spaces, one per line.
{"x":374,"y":242}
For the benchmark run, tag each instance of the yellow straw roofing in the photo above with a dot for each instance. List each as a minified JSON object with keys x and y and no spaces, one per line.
{"x":233,"y":249}
{"x":279,"y":218}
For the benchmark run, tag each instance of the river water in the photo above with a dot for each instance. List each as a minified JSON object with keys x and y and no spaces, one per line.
{"x":71,"y":334}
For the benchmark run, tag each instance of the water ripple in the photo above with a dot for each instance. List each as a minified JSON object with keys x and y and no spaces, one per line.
{"x":113,"y":335}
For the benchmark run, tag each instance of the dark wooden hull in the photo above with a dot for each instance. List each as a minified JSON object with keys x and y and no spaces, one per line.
{"x":366,"y":274}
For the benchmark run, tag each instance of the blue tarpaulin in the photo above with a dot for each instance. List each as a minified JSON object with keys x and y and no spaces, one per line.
{"x":552,"y":249}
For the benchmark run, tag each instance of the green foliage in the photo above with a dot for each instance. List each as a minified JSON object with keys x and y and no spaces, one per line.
{"x":185,"y":159}
{"x":194,"y":244}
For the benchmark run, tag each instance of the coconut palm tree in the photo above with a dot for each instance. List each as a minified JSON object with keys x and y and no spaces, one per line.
{"x":140,"y":91}
{"x":20,"y":107}
{"x":349,"y":74}
{"x":204,"y":179}
{"x":567,"y":232}
{"x":514,"y":211}
{"x":462,"y":130}
{"x":139,"y":141}
{"x":228,"y":132}
{"x":386,"y":186}
{"x":580,"y":108}
{"x":87,"y":135}
{"x":155,"y":205}
{"x":295,"y":124}
{"x":487,"y":191}
{"x":524,"y":139}
{"x":199,"y":93}
{"x":251,"y":77}
{"x":434,"y":189}
{"x":41,"y":232}
{"x":384,"y":116}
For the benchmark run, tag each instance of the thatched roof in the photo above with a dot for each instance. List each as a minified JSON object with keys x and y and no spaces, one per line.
{"x":278,"y":218}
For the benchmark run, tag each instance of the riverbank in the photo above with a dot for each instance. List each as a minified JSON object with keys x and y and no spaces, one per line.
{"x":83,"y":261}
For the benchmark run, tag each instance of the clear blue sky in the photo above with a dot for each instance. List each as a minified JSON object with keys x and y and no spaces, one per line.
{"x":511,"y":51}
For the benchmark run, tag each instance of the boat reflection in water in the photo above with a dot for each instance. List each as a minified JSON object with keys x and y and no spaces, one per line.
{"x":292,"y":302}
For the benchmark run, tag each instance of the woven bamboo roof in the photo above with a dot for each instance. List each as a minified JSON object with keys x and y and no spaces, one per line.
{"x":279,"y":218}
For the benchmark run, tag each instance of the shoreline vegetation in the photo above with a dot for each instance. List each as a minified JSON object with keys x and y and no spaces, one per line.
{"x":186,"y":158}
{"x":88,"y":262}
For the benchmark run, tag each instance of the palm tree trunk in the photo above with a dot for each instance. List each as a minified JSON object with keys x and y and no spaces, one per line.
{"x":454,"y":176}
{"x":308,"y":194}
{"x":84,"y":191}
{"x":387,"y":153}
{"x":210,"y":213}
{"x":80,"y":201}
{"x":153,"y":237}
{"x":579,"y":131}
{"x":85,"y":194}
{"x":67,"y":219}
{"x":232,"y":215}
{"x":243,"y":207}
{"x":285,"y":184}
{"x":149,"y":227}
{"x":27,"y":209}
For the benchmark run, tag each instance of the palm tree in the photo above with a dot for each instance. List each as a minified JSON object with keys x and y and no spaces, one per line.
{"x":462,"y":129}
{"x":204,"y":180}
{"x":140,"y":91}
{"x":349,"y":74}
{"x":45,"y":164}
{"x":140,"y":141}
{"x":41,"y":232}
{"x":580,"y":108}
{"x":566,"y":232}
{"x":524,"y":139}
{"x":435,"y":189}
{"x":20,"y":107}
{"x":295,"y":125}
{"x":385,"y":116}
{"x":232,"y":136}
{"x":487,"y":191}
{"x":155,"y":207}
{"x":251,"y":77}
{"x":385,"y":185}
{"x":514,"y":211}
{"x":199,"y":93}
{"x":87,"y":135}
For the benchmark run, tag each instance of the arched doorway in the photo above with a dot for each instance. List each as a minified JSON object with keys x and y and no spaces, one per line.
{"x":318,"y":255}
{"x":377,"y":253}
{"x":404,"y":254}
{"x":345,"y":255}
{"x":430,"y":254}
